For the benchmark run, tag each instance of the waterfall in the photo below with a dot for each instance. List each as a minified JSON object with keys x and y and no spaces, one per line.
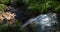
{"x":44,"y":21}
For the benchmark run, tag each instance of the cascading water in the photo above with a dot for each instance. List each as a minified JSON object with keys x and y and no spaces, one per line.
{"x":45,"y":21}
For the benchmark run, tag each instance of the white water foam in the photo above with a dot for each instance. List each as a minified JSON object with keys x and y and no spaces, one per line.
{"x":43,"y":20}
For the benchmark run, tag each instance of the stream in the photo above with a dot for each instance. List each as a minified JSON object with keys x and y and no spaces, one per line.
{"x":44,"y":21}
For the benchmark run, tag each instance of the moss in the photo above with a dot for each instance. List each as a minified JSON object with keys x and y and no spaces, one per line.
{"x":2,"y":7}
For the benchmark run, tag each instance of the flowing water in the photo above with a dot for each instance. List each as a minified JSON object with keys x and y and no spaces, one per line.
{"x":45,"y":21}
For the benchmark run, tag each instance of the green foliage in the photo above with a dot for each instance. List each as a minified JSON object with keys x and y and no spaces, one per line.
{"x":5,"y":1}
{"x":48,"y":5}
{"x":22,"y":1}
{"x":4,"y":27}
{"x":42,"y":6}
{"x":57,"y":9}
{"x":2,"y":7}
{"x":34,"y":5}
{"x":19,"y":25}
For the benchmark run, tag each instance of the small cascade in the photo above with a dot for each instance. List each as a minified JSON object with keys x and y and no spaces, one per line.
{"x":45,"y":21}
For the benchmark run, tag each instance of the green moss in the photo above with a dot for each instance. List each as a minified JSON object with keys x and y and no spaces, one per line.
{"x":2,"y":7}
